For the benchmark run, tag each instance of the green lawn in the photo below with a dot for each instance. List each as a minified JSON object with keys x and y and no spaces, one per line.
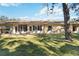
{"x":38,"y":45}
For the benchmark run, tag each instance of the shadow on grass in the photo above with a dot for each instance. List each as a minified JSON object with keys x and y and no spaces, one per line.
{"x":65,"y":50}
{"x":29,"y":50}
{"x":24,"y":50}
{"x":8,"y":38}
{"x":76,"y":36}
{"x":3,"y":52}
{"x":70,"y":50}
{"x":51,"y":37}
{"x":32,"y":49}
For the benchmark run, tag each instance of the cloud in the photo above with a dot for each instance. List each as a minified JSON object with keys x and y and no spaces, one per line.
{"x":43,"y":11}
{"x":57,"y":13}
{"x":9,"y":4}
{"x":23,"y":18}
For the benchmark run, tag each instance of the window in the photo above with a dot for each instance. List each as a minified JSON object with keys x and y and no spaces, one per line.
{"x":24,"y":27}
{"x":49,"y":28}
{"x":34,"y":28}
{"x":30,"y":28}
{"x":74,"y":28}
{"x":40,"y":27}
{"x":7,"y":30}
{"x":16,"y":29}
{"x":20,"y":28}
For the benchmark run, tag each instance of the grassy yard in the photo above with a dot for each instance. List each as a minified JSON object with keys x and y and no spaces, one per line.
{"x":38,"y":45}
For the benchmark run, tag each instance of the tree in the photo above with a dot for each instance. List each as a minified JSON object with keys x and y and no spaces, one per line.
{"x":66,"y":20}
{"x":3,"y":18}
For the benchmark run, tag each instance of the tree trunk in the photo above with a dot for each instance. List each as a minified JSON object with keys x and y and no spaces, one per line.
{"x":66,"y":22}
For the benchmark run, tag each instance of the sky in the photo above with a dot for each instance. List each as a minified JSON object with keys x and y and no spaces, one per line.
{"x":31,"y":11}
